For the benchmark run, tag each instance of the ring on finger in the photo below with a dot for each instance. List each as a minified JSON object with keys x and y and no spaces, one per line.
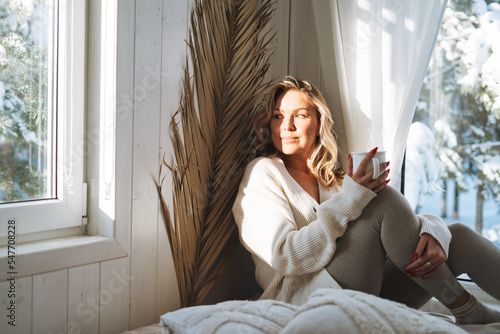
{"x":428,"y":263}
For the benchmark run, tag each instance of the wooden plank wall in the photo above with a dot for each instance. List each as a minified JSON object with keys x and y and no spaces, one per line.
{"x":113,"y":296}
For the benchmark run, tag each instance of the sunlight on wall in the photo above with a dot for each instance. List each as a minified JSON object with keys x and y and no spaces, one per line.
{"x":108,"y":109}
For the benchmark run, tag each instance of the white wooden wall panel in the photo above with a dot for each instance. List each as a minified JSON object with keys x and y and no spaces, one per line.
{"x":50,"y":302}
{"x":23,"y":302}
{"x":124,"y":120}
{"x":115,"y":318}
{"x":145,"y":202}
{"x":84,"y":305}
{"x":175,"y":33}
{"x":115,"y":278}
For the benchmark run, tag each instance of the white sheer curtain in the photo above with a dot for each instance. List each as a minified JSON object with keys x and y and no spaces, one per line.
{"x":380,"y":50}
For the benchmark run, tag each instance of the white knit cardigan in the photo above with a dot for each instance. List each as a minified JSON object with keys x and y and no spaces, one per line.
{"x":291,"y":236}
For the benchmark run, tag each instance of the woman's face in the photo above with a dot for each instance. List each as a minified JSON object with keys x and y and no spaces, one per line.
{"x":294,"y":125}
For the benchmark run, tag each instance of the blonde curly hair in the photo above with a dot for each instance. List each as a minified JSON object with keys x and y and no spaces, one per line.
{"x":325,"y":164}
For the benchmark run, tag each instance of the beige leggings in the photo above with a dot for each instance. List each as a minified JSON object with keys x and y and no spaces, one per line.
{"x":379,"y":244}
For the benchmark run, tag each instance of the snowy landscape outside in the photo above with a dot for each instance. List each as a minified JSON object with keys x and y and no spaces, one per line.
{"x":25,"y":88}
{"x":453,"y":148}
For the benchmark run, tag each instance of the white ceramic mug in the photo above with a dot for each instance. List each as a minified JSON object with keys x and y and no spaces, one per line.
{"x":379,"y":158}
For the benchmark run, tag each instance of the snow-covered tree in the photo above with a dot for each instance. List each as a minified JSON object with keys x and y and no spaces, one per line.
{"x":460,"y":99}
{"x":23,"y":99}
{"x":481,"y":84}
{"x":422,"y":166}
{"x":440,"y":101}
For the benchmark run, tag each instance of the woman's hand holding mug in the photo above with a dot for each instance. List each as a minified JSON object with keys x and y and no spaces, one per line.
{"x":369,"y":169}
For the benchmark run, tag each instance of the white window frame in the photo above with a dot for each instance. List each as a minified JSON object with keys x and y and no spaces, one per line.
{"x":67,"y":61}
{"x":73,"y":242}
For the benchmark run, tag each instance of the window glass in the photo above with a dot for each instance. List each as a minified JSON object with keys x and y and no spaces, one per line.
{"x":26,"y":87}
{"x":453,"y":151}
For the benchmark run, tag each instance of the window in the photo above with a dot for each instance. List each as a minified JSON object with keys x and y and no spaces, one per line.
{"x":26,"y":91}
{"x":453,"y":148}
{"x":83,"y":145}
{"x":42,"y":48}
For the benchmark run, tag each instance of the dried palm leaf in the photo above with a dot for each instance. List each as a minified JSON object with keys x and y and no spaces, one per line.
{"x":229,"y":58}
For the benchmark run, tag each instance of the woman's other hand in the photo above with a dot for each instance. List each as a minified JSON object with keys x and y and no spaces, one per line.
{"x":429,"y":257}
{"x":366,"y":179}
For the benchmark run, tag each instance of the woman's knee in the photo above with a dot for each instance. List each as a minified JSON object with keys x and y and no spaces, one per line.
{"x":393,"y":199}
{"x":460,"y":231}
{"x":459,"y":255}
{"x":391,"y":212}
{"x":392,"y":193}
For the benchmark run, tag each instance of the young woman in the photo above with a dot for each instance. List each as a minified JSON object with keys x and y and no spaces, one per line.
{"x":309,"y":225}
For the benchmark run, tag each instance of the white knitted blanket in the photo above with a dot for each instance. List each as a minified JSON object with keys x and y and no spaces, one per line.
{"x":353,"y":312}
{"x":231,"y":317}
{"x":374,"y":315}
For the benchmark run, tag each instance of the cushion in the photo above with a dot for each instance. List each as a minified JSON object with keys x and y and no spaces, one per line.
{"x":241,"y":316}
{"x":326,"y":311}
{"x":326,"y":319}
{"x":348,"y":311}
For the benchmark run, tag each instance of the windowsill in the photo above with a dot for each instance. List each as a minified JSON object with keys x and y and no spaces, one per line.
{"x":54,"y":254}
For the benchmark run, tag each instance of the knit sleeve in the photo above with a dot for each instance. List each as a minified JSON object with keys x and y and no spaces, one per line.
{"x":436,"y":227}
{"x":267,"y":227}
